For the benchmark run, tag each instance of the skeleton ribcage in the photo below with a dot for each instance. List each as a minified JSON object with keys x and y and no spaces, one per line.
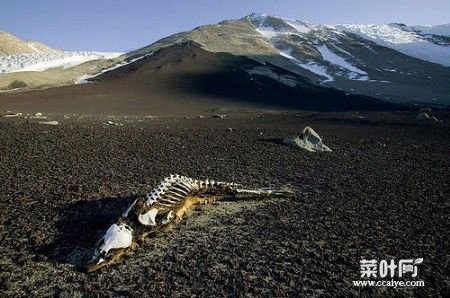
{"x":159,"y":208}
{"x":175,"y":188}
{"x":172,"y":192}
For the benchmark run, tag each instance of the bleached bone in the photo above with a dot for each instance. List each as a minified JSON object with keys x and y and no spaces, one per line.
{"x":264,"y":191}
{"x":117,"y":236}
{"x":125,"y":214}
{"x":162,"y":206}
{"x":148,"y":218}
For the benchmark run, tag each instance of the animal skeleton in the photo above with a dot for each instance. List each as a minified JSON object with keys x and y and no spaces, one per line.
{"x":164,"y":205}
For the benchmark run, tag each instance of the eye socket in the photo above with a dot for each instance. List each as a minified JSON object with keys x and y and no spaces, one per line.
{"x":140,"y":202}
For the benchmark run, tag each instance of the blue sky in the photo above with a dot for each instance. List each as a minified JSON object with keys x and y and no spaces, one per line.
{"x":118,"y":25}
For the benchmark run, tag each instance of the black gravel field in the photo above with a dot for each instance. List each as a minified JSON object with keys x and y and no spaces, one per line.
{"x":383,"y":193}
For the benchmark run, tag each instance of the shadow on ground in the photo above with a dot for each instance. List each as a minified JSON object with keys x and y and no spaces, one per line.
{"x":81,"y":226}
{"x":277,"y":141}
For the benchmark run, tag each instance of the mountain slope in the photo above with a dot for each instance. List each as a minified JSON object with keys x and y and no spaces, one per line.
{"x":33,"y":65}
{"x":393,"y":63}
{"x":11,"y":45}
{"x":332,"y":55}
{"x":402,"y":39}
{"x":18,"y":55}
{"x":43,"y":62}
{"x":442,"y":30}
{"x":186,"y":79}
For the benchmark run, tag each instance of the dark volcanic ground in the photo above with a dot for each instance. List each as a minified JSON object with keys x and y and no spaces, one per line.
{"x":382,"y":193}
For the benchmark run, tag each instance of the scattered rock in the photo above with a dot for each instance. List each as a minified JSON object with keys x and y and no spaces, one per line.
{"x":221,"y":116}
{"x":53,"y":122}
{"x":38,"y":116}
{"x":150,"y":117}
{"x":310,"y":141}
{"x":12,"y":114}
{"x":426,"y":117}
{"x":109,"y":122}
{"x":422,"y":116}
{"x":229,"y":129}
{"x":308,"y":234}
{"x":200,"y":116}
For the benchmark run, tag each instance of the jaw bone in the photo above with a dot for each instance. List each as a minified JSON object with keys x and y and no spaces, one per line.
{"x":165,"y":205}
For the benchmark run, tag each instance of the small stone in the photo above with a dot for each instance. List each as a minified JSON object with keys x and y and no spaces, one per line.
{"x":12,"y":114}
{"x":422,"y":116}
{"x":49,"y":122}
{"x":309,"y":141}
{"x":109,"y":122}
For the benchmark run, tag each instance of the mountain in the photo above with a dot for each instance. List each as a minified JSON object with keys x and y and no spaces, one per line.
{"x":11,"y":45}
{"x":442,"y":30}
{"x":382,"y":61}
{"x":386,"y":65}
{"x":18,"y":55}
{"x":26,"y":64}
{"x":185,"y":79}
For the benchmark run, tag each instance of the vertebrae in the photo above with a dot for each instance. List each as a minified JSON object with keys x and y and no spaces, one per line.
{"x":175,"y":188}
{"x":163,"y":205}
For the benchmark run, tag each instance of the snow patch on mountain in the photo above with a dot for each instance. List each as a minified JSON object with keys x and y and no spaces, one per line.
{"x":343,"y":51}
{"x":267,"y":32}
{"x":44,"y":61}
{"x":85,"y":79}
{"x":409,"y":43}
{"x":301,"y":27}
{"x":333,"y":58}
{"x":309,"y":65}
{"x":443,"y":30}
{"x":264,"y":71}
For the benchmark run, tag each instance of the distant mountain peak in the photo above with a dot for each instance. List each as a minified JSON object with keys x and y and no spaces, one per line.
{"x":11,"y":45}
{"x":391,"y":62}
{"x":370,"y":59}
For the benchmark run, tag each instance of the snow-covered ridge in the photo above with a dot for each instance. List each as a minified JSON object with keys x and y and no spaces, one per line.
{"x":443,"y":30}
{"x":310,"y":66}
{"x":335,"y":59}
{"x":406,"y":42}
{"x":44,"y":61}
{"x":409,"y":40}
{"x":333,"y":62}
{"x":265,"y":28}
